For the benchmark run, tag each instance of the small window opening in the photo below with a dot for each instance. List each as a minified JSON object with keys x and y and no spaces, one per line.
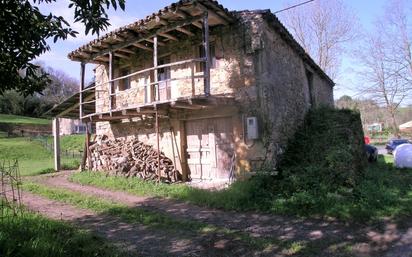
{"x":200,"y":67}
{"x":124,"y":84}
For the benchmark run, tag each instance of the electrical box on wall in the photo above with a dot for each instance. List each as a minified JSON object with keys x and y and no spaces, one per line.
{"x":252,"y":131}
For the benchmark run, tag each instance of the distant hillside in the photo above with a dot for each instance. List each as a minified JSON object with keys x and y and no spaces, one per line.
{"x":14,"y":119}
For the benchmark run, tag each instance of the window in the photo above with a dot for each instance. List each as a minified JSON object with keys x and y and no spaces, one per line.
{"x":80,"y":129}
{"x":309,"y":78}
{"x":124,"y":84}
{"x":200,"y":67}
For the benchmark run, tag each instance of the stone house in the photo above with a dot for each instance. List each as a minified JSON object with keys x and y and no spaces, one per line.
{"x":71,"y":126}
{"x":219,"y":91}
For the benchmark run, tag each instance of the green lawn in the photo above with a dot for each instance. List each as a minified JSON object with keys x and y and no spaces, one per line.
{"x":31,"y":235}
{"x":7,"y":118}
{"x":383,"y":192}
{"x":32,"y":156}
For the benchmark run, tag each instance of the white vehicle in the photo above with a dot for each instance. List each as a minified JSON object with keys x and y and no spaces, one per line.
{"x":403,"y":156}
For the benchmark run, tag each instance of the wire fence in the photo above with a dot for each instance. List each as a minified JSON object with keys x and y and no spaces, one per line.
{"x":47,"y":144}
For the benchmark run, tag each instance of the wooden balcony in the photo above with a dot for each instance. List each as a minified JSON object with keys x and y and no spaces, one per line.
{"x":177,"y":22}
{"x":160,"y":100}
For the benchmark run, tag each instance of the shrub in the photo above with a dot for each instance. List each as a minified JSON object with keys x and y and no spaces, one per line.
{"x":327,"y":150}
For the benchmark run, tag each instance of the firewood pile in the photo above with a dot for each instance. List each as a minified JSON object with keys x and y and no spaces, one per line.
{"x":130,"y":158}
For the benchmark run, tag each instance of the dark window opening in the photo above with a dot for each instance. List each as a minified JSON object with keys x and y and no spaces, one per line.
{"x":124,"y":84}
{"x":309,"y":78}
{"x":163,"y":78}
{"x":200,"y":67}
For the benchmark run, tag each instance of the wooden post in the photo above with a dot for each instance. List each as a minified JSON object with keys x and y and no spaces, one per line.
{"x":158,"y":146}
{"x":81,"y":88}
{"x":56,"y":141}
{"x":206,"y":51}
{"x":88,"y":155}
{"x":111,"y":84}
{"x":183,"y":151}
{"x":155,"y":85}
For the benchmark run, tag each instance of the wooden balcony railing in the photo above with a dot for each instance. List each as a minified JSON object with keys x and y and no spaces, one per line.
{"x":152,"y":85}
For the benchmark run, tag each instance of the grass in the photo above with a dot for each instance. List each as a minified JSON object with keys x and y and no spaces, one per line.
{"x":384,"y":192}
{"x":32,"y":156}
{"x":15,"y":119}
{"x":72,"y":142}
{"x":31,"y":235}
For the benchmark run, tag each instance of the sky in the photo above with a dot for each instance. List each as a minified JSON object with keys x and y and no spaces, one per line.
{"x":366,"y":10}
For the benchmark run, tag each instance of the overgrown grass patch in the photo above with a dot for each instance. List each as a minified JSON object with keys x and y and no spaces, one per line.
{"x":31,"y":235}
{"x":33,"y":158}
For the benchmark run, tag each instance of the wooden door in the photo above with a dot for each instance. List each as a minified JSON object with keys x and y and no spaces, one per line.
{"x":209,"y":148}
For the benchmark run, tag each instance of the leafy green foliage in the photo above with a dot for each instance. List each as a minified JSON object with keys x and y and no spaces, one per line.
{"x":24,"y":38}
{"x":31,"y":235}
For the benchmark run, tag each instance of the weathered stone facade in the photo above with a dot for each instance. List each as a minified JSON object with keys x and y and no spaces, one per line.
{"x":257,"y":63}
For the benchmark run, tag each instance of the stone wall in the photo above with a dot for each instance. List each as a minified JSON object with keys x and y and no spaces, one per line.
{"x":283,"y":95}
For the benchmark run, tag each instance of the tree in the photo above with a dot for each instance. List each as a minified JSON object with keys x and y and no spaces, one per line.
{"x":396,"y":31}
{"x":59,"y":87}
{"x":381,"y":84}
{"x":387,"y":60}
{"x":25,"y":31}
{"x":322,"y":28}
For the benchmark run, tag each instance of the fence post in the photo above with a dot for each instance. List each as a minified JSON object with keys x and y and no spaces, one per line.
{"x":56,"y":140}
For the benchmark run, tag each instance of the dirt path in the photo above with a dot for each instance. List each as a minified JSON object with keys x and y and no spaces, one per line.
{"x":328,"y":237}
{"x":139,"y":240}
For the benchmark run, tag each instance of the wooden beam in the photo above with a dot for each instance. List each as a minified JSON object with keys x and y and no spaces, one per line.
{"x":158,"y":42}
{"x":181,"y":14}
{"x":183,"y":105}
{"x":185,"y":31}
{"x":94,"y":49}
{"x":121,"y":55}
{"x":198,"y":24}
{"x":126,"y":50}
{"x":155,"y":70}
{"x":111,"y":84}
{"x":81,"y":88}
{"x":161,"y":20}
{"x":168,"y":36}
{"x":183,"y":146}
{"x":205,"y":35}
{"x":222,"y":17}
{"x":142,"y":47}
{"x":56,"y":141}
{"x":103,"y":44}
{"x":73,"y":107}
{"x":134,"y":40}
